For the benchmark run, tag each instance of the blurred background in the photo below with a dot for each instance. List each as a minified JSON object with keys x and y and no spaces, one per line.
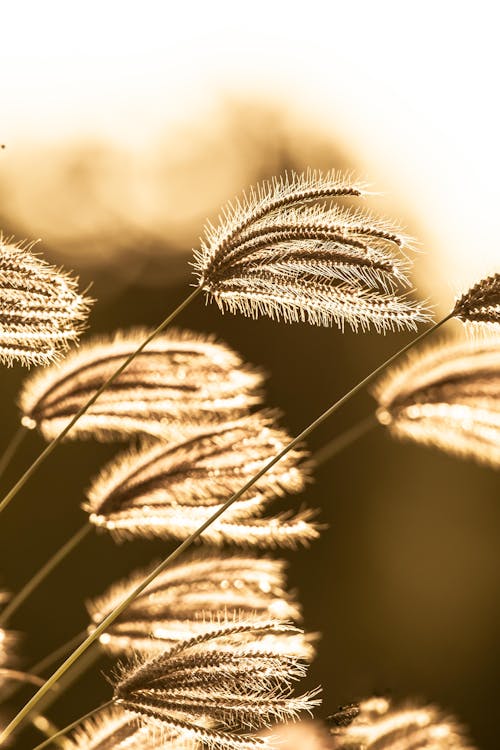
{"x":123,"y":127}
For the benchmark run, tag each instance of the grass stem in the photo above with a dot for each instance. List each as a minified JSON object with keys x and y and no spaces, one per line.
{"x":11,"y":448}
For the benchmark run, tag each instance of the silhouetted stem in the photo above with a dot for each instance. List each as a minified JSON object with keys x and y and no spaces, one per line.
{"x":44,"y":571}
{"x":11,"y":448}
{"x":344,"y":440}
{"x":71,"y":726}
{"x":196,"y":534}
{"x":55,"y":442}
{"x":58,"y":653}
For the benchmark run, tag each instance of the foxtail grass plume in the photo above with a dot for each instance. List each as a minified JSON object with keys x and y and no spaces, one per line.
{"x":179,"y":376}
{"x":183,"y":600}
{"x":168,"y":489}
{"x":115,"y":729}
{"x":219,"y":687}
{"x":41,"y":311}
{"x":480,"y":305}
{"x":447,"y":396}
{"x":376,"y":725}
{"x":286,"y":251}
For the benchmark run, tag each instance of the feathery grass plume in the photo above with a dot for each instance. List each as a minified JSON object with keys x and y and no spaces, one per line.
{"x":480,"y":305}
{"x":41,"y":311}
{"x":219,"y":687}
{"x":279,"y":251}
{"x":167,"y":489}
{"x":447,"y":396}
{"x":183,"y":600}
{"x":178,"y":377}
{"x":115,"y":729}
{"x":379,"y":726}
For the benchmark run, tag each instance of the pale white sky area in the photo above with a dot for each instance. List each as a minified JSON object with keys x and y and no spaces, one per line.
{"x":413,"y":87}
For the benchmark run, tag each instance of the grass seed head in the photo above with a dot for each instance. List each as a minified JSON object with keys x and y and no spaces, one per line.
{"x":41,"y":310}
{"x":286,"y":250}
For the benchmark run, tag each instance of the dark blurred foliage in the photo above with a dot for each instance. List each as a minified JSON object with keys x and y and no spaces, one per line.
{"x":404,"y":582}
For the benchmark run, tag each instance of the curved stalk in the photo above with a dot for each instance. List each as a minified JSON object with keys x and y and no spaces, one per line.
{"x":196,"y":534}
{"x":55,"y":442}
{"x":11,"y":448}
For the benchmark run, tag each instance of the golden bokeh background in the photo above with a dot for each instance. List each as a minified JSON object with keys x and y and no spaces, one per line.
{"x":125,"y":126}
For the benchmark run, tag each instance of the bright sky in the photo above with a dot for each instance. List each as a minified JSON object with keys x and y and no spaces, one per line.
{"x":413,"y":85}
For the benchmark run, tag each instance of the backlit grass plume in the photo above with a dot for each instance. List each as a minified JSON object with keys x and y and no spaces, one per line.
{"x":167,"y":489}
{"x":480,"y":305}
{"x":41,"y":311}
{"x":182,"y":601}
{"x":286,"y":251}
{"x":179,"y":376}
{"x":116,"y":729}
{"x":219,"y":687}
{"x":447,"y":396}
{"x":379,"y":726}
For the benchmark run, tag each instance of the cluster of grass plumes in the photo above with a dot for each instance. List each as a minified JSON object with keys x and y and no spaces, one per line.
{"x":41,"y":311}
{"x":284,"y":252}
{"x":210,"y":653}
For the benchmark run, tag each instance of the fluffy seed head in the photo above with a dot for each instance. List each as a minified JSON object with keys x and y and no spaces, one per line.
{"x":447,"y":396}
{"x":480,"y":305}
{"x":178,"y":377}
{"x":168,"y":489}
{"x":115,"y":729}
{"x":376,"y":725}
{"x":280,"y":252}
{"x":41,"y":311}
{"x":219,"y":686}
{"x":182,"y":601}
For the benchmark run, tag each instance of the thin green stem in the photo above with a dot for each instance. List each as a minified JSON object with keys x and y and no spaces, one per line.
{"x":73,"y":724}
{"x":47,"y":661}
{"x":54,"y":656}
{"x":44,"y":571}
{"x":196,"y":534}
{"x":344,"y":440}
{"x":11,"y":448}
{"x":55,"y":442}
